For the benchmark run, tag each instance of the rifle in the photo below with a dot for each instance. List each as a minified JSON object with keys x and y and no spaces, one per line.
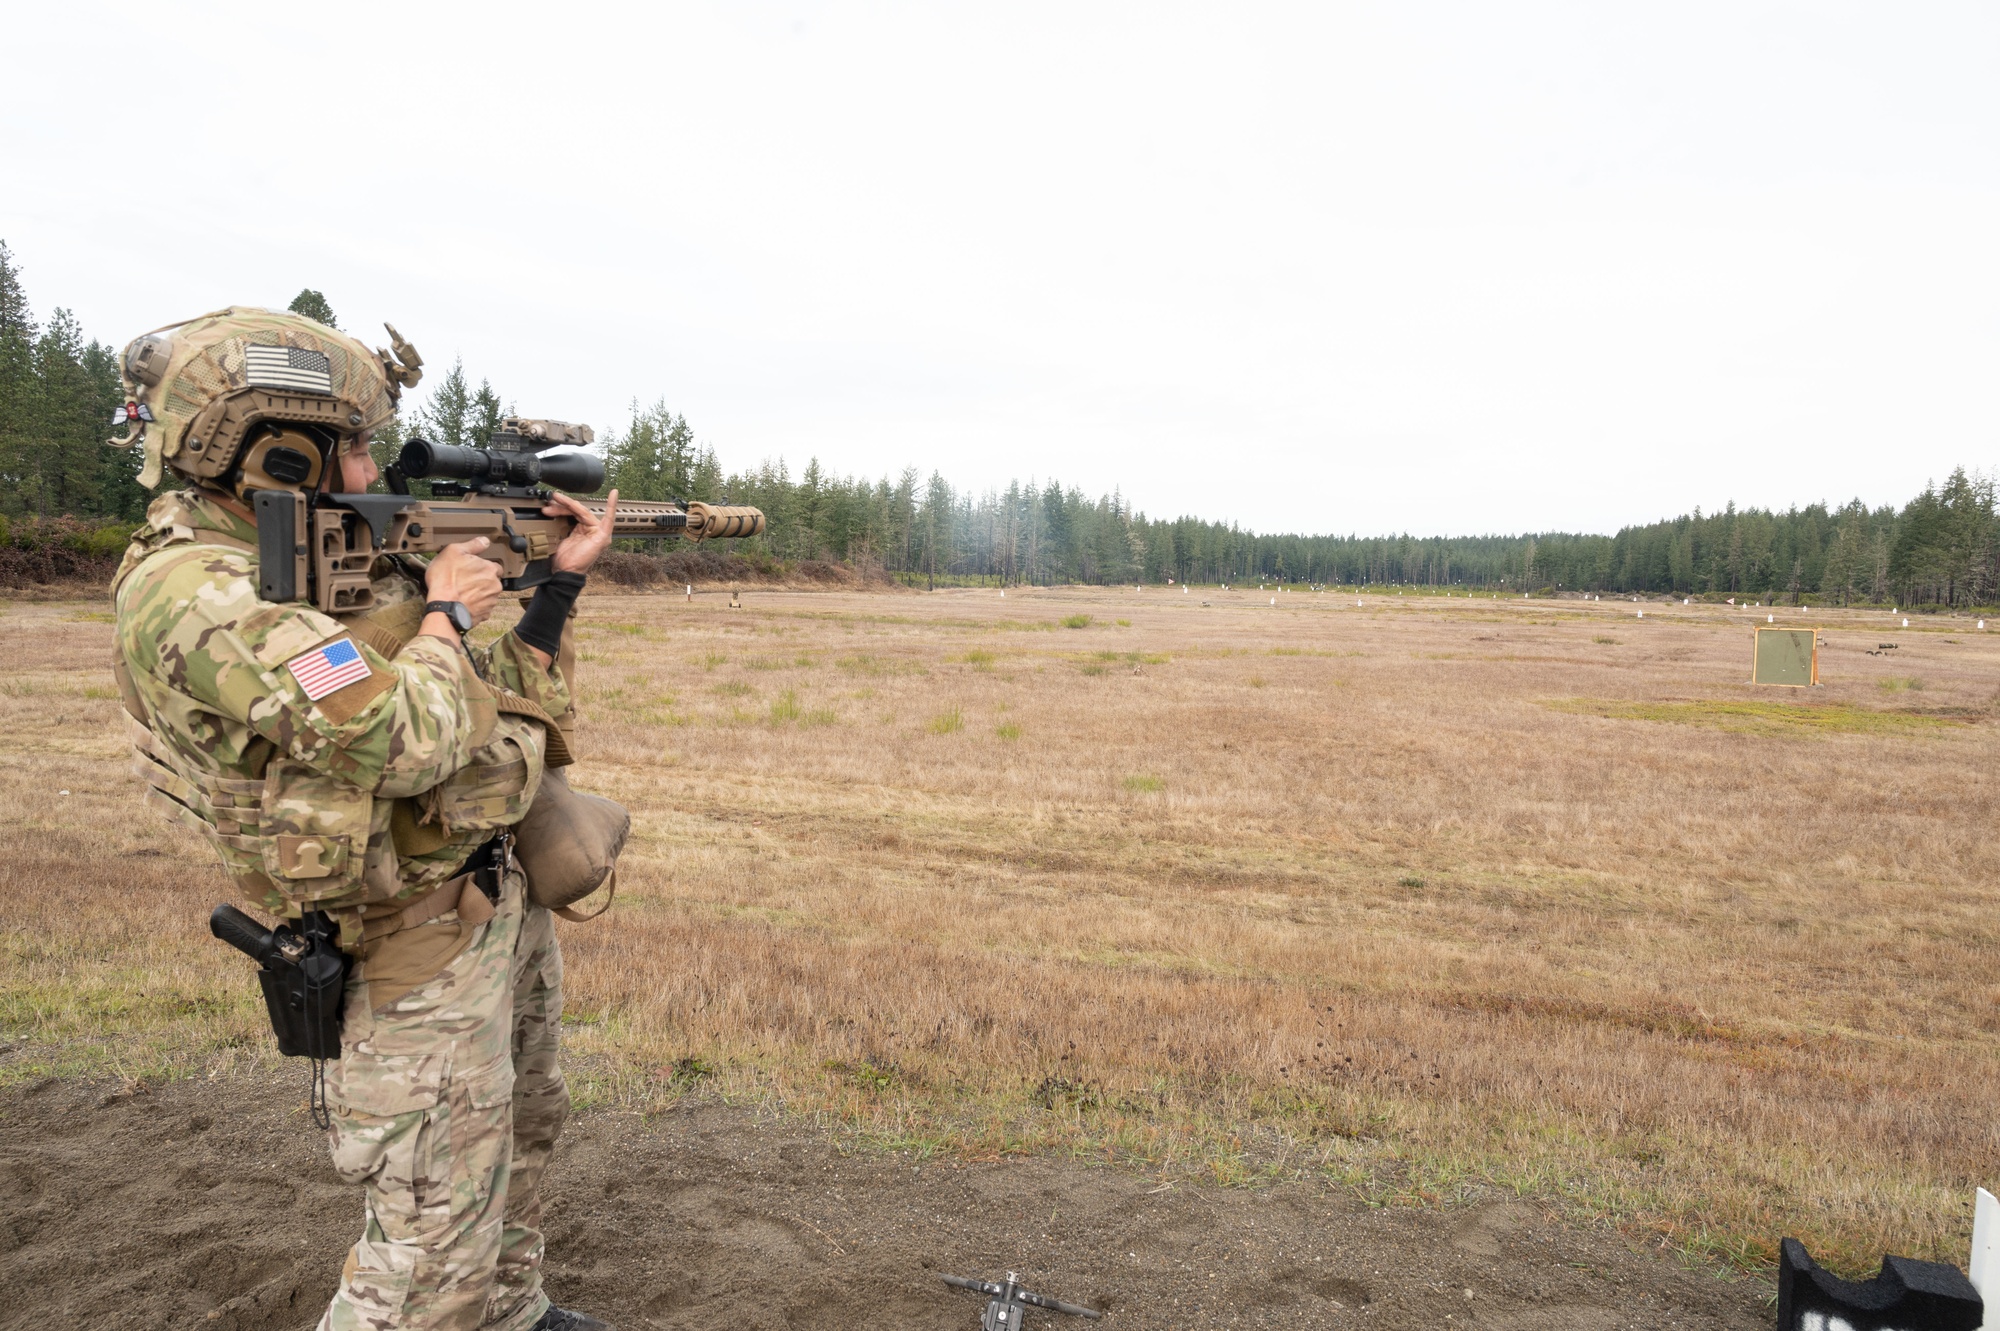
{"x":319,"y":547}
{"x":1008,"y":1303}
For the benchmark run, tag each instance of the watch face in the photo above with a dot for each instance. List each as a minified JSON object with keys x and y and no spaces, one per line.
{"x":455,"y":611}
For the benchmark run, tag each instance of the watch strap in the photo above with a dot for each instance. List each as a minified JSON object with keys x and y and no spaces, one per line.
{"x":454,"y":611}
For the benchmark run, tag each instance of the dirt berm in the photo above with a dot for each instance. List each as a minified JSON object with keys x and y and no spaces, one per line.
{"x":209,"y":1204}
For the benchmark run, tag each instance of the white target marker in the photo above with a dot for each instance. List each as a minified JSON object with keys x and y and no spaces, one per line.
{"x":1984,"y":1269}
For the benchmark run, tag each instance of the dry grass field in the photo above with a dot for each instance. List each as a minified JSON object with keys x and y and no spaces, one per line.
{"x":1429,"y":895}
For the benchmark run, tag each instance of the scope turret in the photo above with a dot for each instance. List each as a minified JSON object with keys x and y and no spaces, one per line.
{"x":423,"y":460}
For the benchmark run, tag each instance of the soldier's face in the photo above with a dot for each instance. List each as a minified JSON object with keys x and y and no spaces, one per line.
{"x":355,"y":467}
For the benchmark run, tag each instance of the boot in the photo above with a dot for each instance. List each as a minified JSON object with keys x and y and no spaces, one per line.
{"x":562,"y":1319}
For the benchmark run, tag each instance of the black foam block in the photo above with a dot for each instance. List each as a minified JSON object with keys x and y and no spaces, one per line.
{"x":1907,"y":1296}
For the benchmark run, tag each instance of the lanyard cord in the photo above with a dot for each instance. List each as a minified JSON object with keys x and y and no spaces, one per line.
{"x":322,"y":1116}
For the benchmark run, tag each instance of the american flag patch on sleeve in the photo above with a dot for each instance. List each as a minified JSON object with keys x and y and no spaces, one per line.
{"x":325,"y":668}
{"x":296,"y":368}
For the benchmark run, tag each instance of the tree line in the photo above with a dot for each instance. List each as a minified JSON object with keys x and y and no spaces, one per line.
{"x":57,"y":393}
{"x":1943,"y":547}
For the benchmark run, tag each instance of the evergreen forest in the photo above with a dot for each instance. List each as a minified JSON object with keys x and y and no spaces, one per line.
{"x":60,"y":482}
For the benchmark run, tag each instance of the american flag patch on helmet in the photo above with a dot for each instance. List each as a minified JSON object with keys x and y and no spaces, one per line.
{"x":296,"y":368}
{"x":332,"y":666}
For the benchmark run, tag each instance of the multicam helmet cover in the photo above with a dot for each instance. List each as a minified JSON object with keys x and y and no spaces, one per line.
{"x":196,"y":391}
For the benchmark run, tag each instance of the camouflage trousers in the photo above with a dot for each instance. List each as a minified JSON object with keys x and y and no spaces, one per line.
{"x":447,"y":1101}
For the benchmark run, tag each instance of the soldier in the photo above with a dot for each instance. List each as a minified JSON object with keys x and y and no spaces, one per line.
{"x":369,"y":766}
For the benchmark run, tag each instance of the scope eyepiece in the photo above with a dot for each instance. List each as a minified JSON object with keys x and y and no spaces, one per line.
{"x":423,"y":460}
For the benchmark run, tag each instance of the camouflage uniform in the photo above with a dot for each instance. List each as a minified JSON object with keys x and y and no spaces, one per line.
{"x":447,"y":1098}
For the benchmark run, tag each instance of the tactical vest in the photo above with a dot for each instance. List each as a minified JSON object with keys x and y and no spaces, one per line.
{"x":293,"y":837}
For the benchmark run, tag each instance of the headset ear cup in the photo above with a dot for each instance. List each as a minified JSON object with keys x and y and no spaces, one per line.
{"x":283,"y":458}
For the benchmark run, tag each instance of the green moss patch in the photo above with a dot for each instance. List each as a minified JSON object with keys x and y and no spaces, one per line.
{"x":1761,"y":718}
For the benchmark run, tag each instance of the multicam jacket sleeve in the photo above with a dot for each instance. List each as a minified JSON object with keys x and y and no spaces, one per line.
{"x":208,"y":660}
{"x":513,"y":665}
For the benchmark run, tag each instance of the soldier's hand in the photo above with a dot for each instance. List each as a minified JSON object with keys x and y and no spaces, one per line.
{"x":457,"y":573}
{"x":588,"y":539}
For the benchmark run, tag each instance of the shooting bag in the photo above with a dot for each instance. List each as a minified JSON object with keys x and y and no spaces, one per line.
{"x":568,"y":846}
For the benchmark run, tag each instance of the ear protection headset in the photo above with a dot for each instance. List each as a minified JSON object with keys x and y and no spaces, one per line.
{"x":284,"y":456}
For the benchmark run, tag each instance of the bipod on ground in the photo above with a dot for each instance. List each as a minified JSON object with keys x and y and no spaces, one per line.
{"x":1009,"y":1303}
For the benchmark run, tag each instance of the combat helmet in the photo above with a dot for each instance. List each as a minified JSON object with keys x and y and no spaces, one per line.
{"x":250,"y":399}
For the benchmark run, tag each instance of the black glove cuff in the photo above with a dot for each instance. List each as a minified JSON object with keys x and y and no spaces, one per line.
{"x":542,"y":622}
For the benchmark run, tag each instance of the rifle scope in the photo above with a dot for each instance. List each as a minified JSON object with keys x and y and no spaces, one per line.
{"x":424,"y":460}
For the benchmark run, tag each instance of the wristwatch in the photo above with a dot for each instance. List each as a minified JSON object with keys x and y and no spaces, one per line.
{"x":455,"y":611}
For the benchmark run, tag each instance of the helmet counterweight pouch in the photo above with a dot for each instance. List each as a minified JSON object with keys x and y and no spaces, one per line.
{"x":568,"y":845}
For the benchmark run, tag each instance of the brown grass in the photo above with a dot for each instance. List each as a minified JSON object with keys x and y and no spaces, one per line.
{"x":1424,"y":895}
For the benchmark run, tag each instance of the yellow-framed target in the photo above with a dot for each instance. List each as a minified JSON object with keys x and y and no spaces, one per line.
{"x":1786,"y":657}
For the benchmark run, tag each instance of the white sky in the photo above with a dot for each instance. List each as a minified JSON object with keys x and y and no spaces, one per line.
{"x":1331,"y":267}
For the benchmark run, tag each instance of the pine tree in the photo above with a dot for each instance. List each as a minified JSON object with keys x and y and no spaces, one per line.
{"x":447,"y":415}
{"x":655,"y":458}
{"x":1733,"y":561}
{"x":20,"y":392}
{"x":483,"y":416}
{"x":1967,"y":512}
{"x":70,"y":431}
{"x":934,"y":527}
{"x":1918,"y":554}
{"x":810,"y":512}
{"x":313,"y":306}
{"x":1055,"y":535}
{"x":903,"y":517}
{"x":707,"y":482}
{"x":1846,"y":556}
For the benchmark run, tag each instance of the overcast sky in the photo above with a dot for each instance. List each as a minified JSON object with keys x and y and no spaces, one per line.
{"x":1331,"y":267}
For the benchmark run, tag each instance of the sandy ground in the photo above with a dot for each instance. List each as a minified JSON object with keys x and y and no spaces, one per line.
{"x":210,"y":1204}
